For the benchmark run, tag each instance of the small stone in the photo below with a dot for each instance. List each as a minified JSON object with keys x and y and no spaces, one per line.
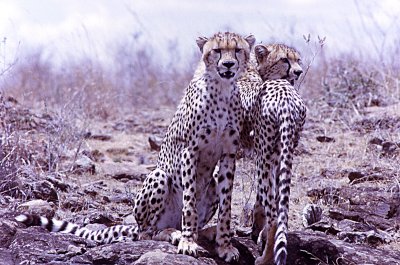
{"x":130,"y":219}
{"x":40,"y":207}
{"x":124,"y":172}
{"x":155,"y":143}
{"x":84,"y":164}
{"x":325,"y":139}
{"x":355,"y":175}
{"x":311,"y":214}
{"x":376,"y":140}
{"x":389,"y":147}
{"x":100,"y":137}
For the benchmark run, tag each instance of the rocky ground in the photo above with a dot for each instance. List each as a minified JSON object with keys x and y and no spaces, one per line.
{"x":87,"y":171}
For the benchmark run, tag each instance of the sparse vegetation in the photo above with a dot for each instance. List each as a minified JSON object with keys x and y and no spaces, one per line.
{"x":68,"y":130}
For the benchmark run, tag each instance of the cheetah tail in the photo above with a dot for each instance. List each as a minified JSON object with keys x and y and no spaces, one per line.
{"x":283,"y":189}
{"x":102,"y":236}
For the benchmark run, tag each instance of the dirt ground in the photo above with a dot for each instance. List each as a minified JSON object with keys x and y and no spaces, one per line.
{"x":104,"y":164}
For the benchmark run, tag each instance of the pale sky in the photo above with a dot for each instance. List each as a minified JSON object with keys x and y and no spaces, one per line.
{"x":65,"y":28}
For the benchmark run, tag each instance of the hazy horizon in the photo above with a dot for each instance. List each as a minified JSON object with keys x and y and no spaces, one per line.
{"x":92,"y":28}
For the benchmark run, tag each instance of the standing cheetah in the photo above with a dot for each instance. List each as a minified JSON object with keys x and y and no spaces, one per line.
{"x":275,"y":111}
{"x":181,"y":195}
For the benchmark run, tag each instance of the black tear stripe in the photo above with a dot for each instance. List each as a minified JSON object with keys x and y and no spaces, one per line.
{"x":287,"y":73}
{"x":220,"y":57}
{"x":237,"y":60}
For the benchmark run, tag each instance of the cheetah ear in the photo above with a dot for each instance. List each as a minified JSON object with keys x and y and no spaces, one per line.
{"x":261,"y":52}
{"x":200,"y":42}
{"x":250,"y":40}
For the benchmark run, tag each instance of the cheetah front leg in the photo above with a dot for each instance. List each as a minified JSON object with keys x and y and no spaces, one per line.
{"x":225,"y":249}
{"x":187,"y":244}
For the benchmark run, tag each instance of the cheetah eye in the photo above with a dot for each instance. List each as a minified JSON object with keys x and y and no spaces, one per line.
{"x":217,"y":50}
{"x":237,"y":50}
{"x":285,"y":60}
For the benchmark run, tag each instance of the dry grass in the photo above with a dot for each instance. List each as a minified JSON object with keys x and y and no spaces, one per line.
{"x":60,"y":103}
{"x":99,"y":90}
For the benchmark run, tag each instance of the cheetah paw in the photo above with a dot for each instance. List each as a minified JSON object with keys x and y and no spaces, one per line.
{"x":176,"y":237}
{"x":228,"y":253}
{"x":169,"y":234}
{"x":187,"y":247}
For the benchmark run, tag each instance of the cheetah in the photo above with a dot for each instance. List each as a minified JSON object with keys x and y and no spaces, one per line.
{"x":181,"y":195}
{"x":278,"y":61}
{"x":275,"y":112}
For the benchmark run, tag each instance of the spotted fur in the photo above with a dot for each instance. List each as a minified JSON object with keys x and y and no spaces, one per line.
{"x":278,"y":61}
{"x":181,"y":195}
{"x":276,"y":113}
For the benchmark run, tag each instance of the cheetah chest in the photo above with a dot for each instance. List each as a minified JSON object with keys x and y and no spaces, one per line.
{"x":218,"y":134}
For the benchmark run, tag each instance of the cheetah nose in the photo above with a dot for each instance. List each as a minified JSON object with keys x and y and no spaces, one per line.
{"x":298,"y":72}
{"x":228,"y":64}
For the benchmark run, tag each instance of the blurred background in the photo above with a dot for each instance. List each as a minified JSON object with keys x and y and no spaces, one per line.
{"x":107,"y":57}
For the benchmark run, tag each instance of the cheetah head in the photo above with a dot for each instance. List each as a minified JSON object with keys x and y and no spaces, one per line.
{"x":278,"y":61}
{"x":226,"y":54}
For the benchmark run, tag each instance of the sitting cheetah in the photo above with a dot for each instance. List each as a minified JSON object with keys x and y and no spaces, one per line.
{"x":275,"y":111}
{"x":181,"y":195}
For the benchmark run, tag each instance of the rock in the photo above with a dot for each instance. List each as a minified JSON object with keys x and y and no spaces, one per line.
{"x":74,"y":203}
{"x":58,"y":183}
{"x":99,"y":137}
{"x":155,"y":142}
{"x":376,"y":141}
{"x":12,"y":185}
{"x":84,"y":164}
{"x":246,"y":215}
{"x":311,"y":214}
{"x":103,"y":218}
{"x":360,"y":216}
{"x":126,"y":252}
{"x":356,"y":178}
{"x":97,"y":156}
{"x":124,"y":171}
{"x":45,"y":190}
{"x":38,"y":246}
{"x":306,"y":248}
{"x":8,"y":228}
{"x":130,"y":219}
{"x":328,"y":195}
{"x":371,"y":237}
{"x":119,"y":198}
{"x":157,"y":257}
{"x":6,"y":257}
{"x":389,"y":147}
{"x":366,"y":125}
{"x":355,"y":175}
{"x":40,"y":207}
{"x":326,"y":226}
{"x":117,"y":151}
{"x":325,"y":139}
